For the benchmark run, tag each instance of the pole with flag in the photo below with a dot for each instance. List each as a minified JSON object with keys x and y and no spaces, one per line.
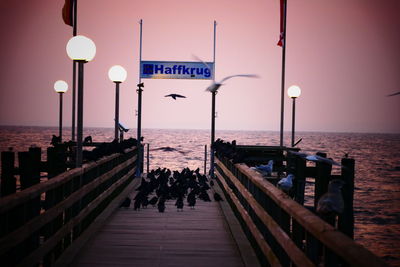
{"x":282,"y":43}
{"x":69,"y":15}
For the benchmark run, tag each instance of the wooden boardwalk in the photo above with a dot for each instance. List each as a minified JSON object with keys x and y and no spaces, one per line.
{"x":194,"y":237}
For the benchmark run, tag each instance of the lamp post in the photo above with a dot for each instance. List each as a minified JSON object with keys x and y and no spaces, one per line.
{"x":117,"y":74}
{"x":294,"y":92}
{"x":81,"y":50}
{"x":60,"y":87}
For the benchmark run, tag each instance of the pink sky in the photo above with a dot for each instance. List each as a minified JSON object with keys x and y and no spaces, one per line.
{"x":344,"y":54}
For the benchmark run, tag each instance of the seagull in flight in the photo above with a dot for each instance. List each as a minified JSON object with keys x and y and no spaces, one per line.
{"x":216,"y":85}
{"x":397,"y":93}
{"x":174,"y":96}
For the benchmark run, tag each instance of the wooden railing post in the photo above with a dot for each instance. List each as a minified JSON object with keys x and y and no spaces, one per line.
{"x":321,"y":179}
{"x":346,"y":220}
{"x":300,"y":179}
{"x":8,"y":181}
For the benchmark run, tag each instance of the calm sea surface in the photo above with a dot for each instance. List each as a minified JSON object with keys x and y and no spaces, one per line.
{"x":377,"y":156}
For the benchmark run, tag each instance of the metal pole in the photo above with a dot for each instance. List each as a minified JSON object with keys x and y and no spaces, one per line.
{"x":212,"y":134}
{"x":139,"y":90}
{"x":74,"y":32}
{"x":205,"y":159}
{"x":293,"y":118}
{"x":75,"y":26}
{"x":73,"y":100}
{"x":60,"y":114}
{"x":213,"y":110}
{"x":283,"y":73}
{"x":116,"y":110}
{"x":80,"y":115}
{"x":139,"y":131}
{"x":148,"y":158}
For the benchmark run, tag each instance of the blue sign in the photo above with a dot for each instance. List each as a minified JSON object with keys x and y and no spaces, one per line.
{"x":176,"y":70}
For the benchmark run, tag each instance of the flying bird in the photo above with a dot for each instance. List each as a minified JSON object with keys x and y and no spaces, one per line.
{"x":174,"y":96}
{"x":331,"y":203}
{"x":397,"y":93}
{"x":216,"y":85}
{"x":285,"y":184}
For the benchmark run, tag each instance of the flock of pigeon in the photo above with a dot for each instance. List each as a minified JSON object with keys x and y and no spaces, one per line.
{"x":162,"y":185}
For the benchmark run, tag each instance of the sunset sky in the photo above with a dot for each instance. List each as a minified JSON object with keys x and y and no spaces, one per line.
{"x":344,"y":54}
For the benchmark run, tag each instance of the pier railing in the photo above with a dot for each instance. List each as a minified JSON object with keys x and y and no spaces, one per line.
{"x":282,"y":231}
{"x":40,"y":222}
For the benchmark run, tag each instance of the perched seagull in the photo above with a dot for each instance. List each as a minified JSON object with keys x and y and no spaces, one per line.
{"x":265,"y":169}
{"x":216,"y":85}
{"x":317,"y":158}
{"x":285,"y":184}
{"x":397,"y":93}
{"x":331,"y":203}
{"x":174,"y":96}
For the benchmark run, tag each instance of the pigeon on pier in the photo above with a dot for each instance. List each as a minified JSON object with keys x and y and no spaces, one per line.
{"x":55,"y":140}
{"x":179,"y":204}
{"x":191,"y":199}
{"x":286,"y":184}
{"x":216,"y":85}
{"x":331,"y":203}
{"x":174,"y":96}
{"x":265,"y":169}
{"x":153,"y":201}
{"x":126,"y":203}
{"x":161,"y":204}
{"x":217,"y":197}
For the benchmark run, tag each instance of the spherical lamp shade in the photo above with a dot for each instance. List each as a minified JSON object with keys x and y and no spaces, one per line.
{"x":81,"y":48}
{"x":117,"y":73}
{"x":294,"y":91}
{"x":60,"y":86}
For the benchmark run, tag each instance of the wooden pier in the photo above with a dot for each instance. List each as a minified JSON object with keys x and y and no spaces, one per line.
{"x":74,"y":218}
{"x":193,"y":237}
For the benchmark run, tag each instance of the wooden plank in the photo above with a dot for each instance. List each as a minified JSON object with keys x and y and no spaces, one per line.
{"x":194,"y":237}
{"x":70,"y":253}
{"x":342,"y":245}
{"x":294,"y":253}
{"x":265,"y":248}
{"x":49,"y":244}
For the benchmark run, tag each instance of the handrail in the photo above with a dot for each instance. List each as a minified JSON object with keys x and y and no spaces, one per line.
{"x":13,"y":200}
{"x":36,"y":223}
{"x":73,"y":200}
{"x":337,"y":242}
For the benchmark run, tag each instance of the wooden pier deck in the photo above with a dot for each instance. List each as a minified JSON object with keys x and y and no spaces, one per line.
{"x":194,"y":237}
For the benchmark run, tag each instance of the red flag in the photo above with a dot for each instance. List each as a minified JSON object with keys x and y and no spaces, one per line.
{"x":67,"y":12}
{"x":281,"y":36}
